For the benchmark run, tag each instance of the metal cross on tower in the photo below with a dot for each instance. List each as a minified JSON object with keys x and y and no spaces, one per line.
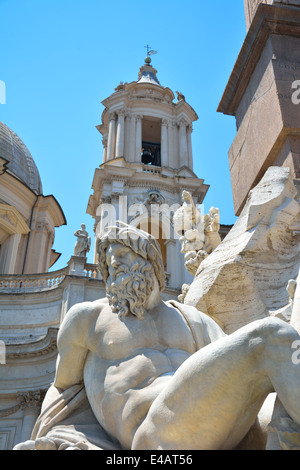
{"x":150,"y":51}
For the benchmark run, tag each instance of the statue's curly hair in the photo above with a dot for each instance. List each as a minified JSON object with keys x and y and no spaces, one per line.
{"x":142,"y":243}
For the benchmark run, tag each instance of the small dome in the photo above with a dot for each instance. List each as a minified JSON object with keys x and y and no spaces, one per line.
{"x":147,"y":74}
{"x":20,"y":161}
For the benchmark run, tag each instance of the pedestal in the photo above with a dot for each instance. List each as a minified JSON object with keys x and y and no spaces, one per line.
{"x":76,"y":265}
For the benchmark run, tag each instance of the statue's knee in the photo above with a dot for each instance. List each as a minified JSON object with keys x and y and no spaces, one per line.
{"x":259,"y":335}
{"x":274,"y":331}
{"x":143,"y":438}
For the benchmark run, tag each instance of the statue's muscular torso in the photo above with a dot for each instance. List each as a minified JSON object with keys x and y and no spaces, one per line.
{"x":129,"y":363}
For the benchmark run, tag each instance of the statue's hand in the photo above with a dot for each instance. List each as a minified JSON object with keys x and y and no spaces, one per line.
{"x":46,"y":443}
{"x":71,"y":446}
{"x":42,"y":443}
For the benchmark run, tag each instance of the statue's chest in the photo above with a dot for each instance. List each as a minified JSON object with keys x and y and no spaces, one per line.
{"x":116,"y":338}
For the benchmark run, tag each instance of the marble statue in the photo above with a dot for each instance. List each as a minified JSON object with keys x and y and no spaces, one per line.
{"x":83,"y":242}
{"x":199,"y":236}
{"x":136,"y":372}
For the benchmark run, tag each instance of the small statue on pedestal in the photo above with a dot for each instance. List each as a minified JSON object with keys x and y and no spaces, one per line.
{"x":83,"y":243}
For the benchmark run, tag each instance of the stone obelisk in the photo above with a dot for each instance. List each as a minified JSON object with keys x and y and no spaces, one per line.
{"x":263,"y":93}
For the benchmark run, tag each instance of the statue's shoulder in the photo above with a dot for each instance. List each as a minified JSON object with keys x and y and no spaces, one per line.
{"x":84,"y":313}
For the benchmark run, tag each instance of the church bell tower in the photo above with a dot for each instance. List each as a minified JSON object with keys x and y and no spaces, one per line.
{"x":147,"y":163}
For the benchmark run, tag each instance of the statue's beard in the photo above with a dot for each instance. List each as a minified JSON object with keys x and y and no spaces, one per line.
{"x":128,"y":289}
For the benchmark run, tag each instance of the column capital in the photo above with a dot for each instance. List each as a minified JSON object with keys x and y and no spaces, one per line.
{"x":121,"y":112}
{"x":31,"y":399}
{"x":182,"y":122}
{"x":112,"y":116}
{"x":165,"y":122}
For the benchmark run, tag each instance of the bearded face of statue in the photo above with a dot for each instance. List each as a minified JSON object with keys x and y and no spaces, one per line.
{"x":130,"y":281}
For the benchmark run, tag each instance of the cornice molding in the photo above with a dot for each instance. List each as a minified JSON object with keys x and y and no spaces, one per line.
{"x":43,"y":348}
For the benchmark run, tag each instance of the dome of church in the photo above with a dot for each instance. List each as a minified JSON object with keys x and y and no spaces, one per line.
{"x":20,"y":161}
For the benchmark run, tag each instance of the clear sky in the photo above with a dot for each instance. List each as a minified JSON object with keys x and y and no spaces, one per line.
{"x":61,"y":58}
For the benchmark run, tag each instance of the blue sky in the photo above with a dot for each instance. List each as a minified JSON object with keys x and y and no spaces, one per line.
{"x":61,"y":58}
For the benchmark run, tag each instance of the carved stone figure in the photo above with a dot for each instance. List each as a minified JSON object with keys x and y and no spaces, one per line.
{"x":83,"y":242}
{"x":199,"y":235}
{"x":180,"y":96}
{"x":135,"y":372}
{"x":211,"y":230}
{"x":188,"y":222}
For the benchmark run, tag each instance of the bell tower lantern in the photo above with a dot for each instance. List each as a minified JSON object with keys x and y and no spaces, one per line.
{"x":142,"y":124}
{"x":147,"y":160}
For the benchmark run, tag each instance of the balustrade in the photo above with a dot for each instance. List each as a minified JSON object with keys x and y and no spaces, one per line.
{"x":45,"y":281}
{"x":38,"y":282}
{"x":32,"y":282}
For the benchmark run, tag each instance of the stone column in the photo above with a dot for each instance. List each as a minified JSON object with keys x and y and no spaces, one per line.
{"x":183,"y":150}
{"x":171,"y":145}
{"x":104,"y":143}
{"x":138,"y":138}
{"x":131,"y":156}
{"x":126,"y":135}
{"x":189,"y":145}
{"x":111,"y":145}
{"x":11,"y":247}
{"x":31,"y":404}
{"x":164,"y":143}
{"x":120,"y":134}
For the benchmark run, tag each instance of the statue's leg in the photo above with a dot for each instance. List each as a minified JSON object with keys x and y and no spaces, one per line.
{"x":295,"y":320}
{"x":281,"y":423}
{"x":214,"y":397}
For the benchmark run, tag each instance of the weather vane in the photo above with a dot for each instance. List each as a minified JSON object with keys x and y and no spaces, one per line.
{"x":150,"y":51}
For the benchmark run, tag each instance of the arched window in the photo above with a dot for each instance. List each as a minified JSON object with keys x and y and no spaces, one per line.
{"x":151,"y":141}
